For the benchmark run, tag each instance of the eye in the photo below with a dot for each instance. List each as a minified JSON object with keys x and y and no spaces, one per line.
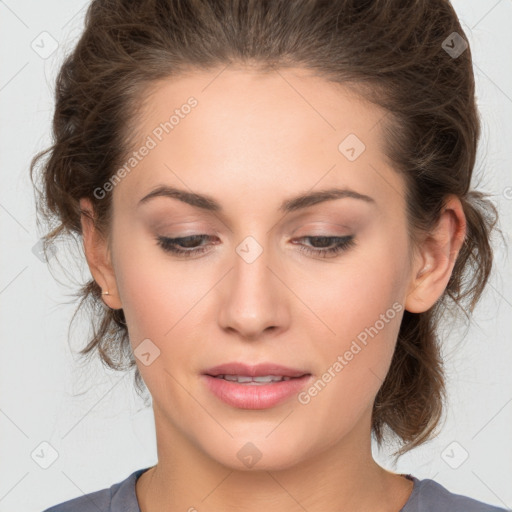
{"x":187,"y":246}
{"x":183,"y":246}
{"x":336,"y":244}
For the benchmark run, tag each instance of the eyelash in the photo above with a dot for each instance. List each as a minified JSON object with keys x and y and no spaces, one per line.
{"x":344,"y":243}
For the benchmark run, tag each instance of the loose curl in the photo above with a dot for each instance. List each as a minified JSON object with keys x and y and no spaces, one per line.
{"x":388,"y":51}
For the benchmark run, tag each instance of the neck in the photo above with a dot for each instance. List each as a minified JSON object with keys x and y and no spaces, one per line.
{"x":342,"y":477}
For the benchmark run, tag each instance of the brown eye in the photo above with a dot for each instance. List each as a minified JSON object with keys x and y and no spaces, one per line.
{"x":183,"y":246}
{"x":337,"y":244}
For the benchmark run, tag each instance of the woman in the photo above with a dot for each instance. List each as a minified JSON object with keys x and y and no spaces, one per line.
{"x":275,"y":206}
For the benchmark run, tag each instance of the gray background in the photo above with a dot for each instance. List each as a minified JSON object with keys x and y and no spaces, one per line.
{"x":98,"y":429}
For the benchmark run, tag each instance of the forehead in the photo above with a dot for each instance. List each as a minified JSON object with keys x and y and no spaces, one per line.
{"x":273,"y":108}
{"x":245,"y":131}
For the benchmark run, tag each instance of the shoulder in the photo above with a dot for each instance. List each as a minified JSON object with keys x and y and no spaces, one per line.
{"x":120,"y":497}
{"x":429,"y":496}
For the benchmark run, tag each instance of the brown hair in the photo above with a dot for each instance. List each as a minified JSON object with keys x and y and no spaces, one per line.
{"x":392,"y":52}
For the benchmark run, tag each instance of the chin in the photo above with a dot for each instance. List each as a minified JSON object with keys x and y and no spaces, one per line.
{"x":259,"y":453}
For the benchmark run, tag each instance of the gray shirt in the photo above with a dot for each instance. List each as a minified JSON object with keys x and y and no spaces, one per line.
{"x":427,"y":496}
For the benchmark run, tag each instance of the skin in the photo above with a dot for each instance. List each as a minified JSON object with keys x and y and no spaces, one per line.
{"x":253,"y":141}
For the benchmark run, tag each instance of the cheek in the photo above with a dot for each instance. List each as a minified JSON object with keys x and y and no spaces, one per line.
{"x":156,"y":293}
{"x":365,"y":315}
{"x":355,"y":296}
{"x":362,"y":304}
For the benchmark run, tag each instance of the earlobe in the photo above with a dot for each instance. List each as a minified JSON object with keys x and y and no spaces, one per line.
{"x":436,"y":258}
{"x":98,"y":256}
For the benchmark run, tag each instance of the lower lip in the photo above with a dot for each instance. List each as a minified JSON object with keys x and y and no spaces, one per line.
{"x":255,"y":396}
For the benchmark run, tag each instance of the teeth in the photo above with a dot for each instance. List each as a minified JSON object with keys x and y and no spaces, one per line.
{"x":244,"y":379}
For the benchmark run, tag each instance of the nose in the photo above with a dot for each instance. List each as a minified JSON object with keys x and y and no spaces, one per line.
{"x":253,"y":296}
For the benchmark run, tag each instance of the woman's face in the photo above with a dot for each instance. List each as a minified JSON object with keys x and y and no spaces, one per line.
{"x":251,"y":293}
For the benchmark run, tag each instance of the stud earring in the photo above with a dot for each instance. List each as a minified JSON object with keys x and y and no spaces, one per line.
{"x":105,"y":293}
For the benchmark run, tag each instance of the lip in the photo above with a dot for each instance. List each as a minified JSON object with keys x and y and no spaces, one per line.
{"x":254,"y":370}
{"x":251,"y":396}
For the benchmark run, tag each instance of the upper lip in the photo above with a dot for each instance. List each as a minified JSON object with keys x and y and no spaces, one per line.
{"x":257,"y":370}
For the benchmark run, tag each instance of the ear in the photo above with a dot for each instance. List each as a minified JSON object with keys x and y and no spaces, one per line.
{"x":97,"y":253}
{"x":434,"y":262}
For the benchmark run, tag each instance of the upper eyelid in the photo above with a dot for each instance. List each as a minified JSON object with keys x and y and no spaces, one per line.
{"x":303,"y":216}
{"x":304,"y":225}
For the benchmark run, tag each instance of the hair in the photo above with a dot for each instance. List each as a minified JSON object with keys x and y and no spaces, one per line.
{"x":390,"y":52}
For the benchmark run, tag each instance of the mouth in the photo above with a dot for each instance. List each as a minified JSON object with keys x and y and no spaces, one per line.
{"x":262,"y":372}
{"x":255,"y":387}
{"x":261,"y":380}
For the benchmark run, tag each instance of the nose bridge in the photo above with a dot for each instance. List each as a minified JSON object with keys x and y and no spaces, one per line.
{"x":253,"y":301}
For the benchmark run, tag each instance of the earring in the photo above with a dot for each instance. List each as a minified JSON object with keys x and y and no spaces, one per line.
{"x":105,"y":293}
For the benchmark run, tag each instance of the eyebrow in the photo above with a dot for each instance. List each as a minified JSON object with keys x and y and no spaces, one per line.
{"x":299,"y":202}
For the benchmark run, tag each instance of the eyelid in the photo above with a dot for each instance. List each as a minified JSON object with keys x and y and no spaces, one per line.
{"x":326,"y":229}
{"x":198,"y":226}
{"x":329,"y":227}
